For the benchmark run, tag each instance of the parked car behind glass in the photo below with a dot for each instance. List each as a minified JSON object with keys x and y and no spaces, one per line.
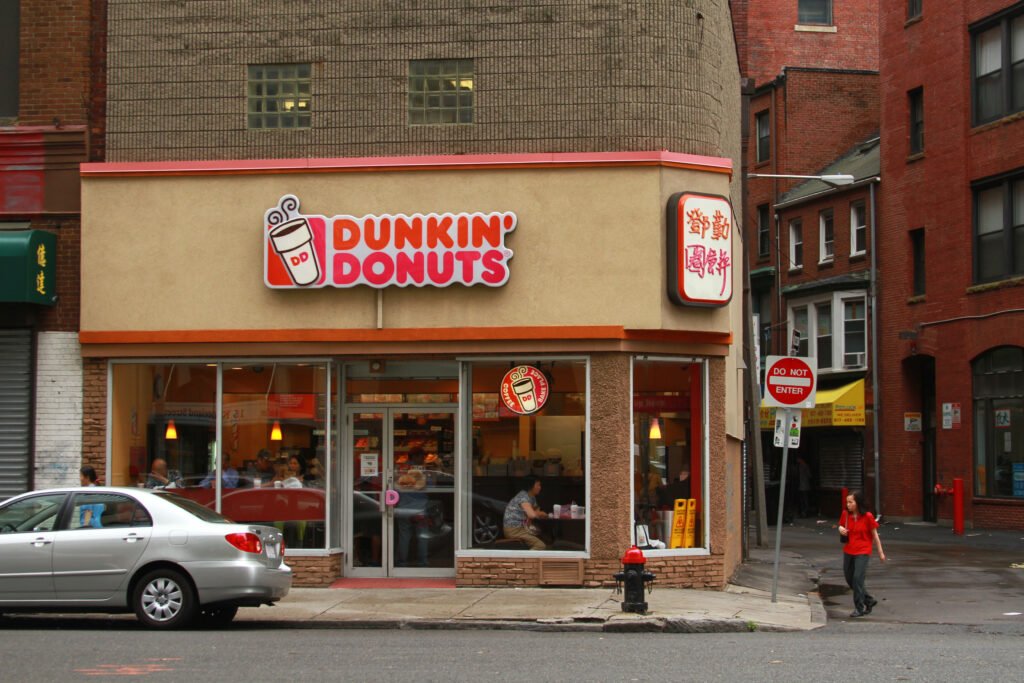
{"x":164,"y":557}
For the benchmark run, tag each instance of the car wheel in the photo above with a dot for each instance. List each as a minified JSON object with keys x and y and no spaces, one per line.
{"x":164,"y":598}
{"x":485,"y":529}
{"x":218,"y":616}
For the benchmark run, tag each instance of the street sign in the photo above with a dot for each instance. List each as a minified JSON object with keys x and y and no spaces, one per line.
{"x":793,"y":432}
{"x":790,"y":382}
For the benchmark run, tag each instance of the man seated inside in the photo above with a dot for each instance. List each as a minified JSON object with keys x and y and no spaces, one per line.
{"x":520,"y":513}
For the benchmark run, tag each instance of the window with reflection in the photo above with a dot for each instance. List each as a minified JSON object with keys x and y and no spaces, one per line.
{"x":528,"y":485}
{"x":668,"y":506}
{"x":999,"y":423}
{"x":273,"y":440}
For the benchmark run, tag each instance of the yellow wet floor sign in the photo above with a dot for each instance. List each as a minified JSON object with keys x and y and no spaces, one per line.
{"x":683,"y":523}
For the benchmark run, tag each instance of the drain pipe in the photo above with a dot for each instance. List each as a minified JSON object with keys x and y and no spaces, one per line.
{"x":875,"y":431}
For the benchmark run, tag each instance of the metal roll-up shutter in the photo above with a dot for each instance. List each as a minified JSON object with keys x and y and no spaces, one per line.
{"x":15,"y":410}
{"x":841,"y":461}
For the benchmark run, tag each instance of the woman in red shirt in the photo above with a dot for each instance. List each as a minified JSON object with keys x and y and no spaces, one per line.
{"x":859,"y":528}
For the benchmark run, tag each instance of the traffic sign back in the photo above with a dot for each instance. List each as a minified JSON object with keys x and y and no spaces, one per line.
{"x":790,"y":382}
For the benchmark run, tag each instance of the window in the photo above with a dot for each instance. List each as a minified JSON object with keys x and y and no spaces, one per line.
{"x":854,"y":333}
{"x":105,"y":511}
{"x":998,"y":68}
{"x":917,"y":250}
{"x":796,"y":243}
{"x":763,"y":231}
{"x":998,"y":390}
{"x":915,"y":105}
{"x":814,"y":12}
{"x":37,"y":513}
{"x":440,"y":91}
{"x":668,"y":456}
{"x":280,"y":96}
{"x":913,"y":9}
{"x":164,"y":434}
{"x":823,"y":320}
{"x":999,"y":230}
{"x":764,"y":151}
{"x":763,"y":311}
{"x":858,"y":228}
{"x":826,"y":236}
{"x":509,"y":447}
{"x":840,"y":331}
{"x":9,"y":58}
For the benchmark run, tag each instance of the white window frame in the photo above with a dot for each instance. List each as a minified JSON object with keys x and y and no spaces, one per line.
{"x":796,"y":237}
{"x":826,"y":249}
{"x":838,"y":300}
{"x":858,"y":228}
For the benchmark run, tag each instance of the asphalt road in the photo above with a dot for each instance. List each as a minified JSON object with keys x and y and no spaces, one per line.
{"x":49,"y":649}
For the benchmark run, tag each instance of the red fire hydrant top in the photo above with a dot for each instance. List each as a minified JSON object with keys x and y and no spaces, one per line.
{"x":634,"y":556}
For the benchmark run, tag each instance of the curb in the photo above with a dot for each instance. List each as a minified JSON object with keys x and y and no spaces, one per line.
{"x":644,"y":625}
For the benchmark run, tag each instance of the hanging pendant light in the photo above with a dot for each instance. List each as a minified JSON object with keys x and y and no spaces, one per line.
{"x":275,"y":431}
{"x":655,"y":432}
{"x":172,"y":432}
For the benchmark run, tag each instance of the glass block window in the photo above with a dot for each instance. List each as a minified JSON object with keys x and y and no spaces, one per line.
{"x":280,"y":96}
{"x":440,"y":91}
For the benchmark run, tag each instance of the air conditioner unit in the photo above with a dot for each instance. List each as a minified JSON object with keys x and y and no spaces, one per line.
{"x":854,"y":360}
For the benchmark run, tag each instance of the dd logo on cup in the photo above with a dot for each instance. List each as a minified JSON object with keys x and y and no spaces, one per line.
{"x":524,"y":389}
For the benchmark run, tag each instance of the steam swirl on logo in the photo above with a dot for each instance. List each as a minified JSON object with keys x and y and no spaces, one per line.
{"x":286,"y":209}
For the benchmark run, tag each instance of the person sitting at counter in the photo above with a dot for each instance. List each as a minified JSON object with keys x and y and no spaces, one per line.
{"x":158,"y":476}
{"x":228,"y":478}
{"x":520,"y":513}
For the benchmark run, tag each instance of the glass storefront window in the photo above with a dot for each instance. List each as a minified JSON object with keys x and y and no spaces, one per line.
{"x":273,"y":440}
{"x":999,"y":423}
{"x":667,"y":454}
{"x":528,"y":444}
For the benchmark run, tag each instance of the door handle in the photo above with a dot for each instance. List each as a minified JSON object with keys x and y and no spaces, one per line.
{"x":131,"y":538}
{"x":41,"y":541}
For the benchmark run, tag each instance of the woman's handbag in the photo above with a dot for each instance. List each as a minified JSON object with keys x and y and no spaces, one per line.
{"x":843,"y":539}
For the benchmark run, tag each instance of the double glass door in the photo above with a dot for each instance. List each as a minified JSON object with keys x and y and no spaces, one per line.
{"x":402,"y":461}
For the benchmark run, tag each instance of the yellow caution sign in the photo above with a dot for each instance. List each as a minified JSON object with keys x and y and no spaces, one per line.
{"x":691,"y":522}
{"x":678,"y":524}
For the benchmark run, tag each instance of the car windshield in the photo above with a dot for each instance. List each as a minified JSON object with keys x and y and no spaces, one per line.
{"x":190,"y":506}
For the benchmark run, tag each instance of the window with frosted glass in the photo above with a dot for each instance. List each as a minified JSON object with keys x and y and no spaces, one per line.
{"x":441,"y":91}
{"x":280,"y":96}
{"x":814,"y":11}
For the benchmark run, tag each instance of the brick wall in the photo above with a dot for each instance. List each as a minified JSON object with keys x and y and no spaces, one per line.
{"x":315,"y":572}
{"x":94,"y":414}
{"x":933,"y":191}
{"x":55,"y":68}
{"x":58,"y":435}
{"x":679,"y":572}
{"x":549,"y":77}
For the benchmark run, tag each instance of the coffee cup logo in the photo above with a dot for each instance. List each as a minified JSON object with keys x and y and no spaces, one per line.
{"x":292,"y":239}
{"x":524,"y":389}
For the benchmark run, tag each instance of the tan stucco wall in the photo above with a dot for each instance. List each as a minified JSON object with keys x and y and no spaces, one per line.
{"x":185,"y":253}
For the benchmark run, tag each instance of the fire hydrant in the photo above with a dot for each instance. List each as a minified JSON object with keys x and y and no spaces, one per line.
{"x":635,"y":578}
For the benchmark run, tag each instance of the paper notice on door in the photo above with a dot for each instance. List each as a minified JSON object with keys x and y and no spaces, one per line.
{"x":369,"y":465}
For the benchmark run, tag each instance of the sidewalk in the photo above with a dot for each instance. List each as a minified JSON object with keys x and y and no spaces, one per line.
{"x":744,"y":606}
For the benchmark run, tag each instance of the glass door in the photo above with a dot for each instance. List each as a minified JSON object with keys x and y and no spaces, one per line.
{"x":403,"y":491}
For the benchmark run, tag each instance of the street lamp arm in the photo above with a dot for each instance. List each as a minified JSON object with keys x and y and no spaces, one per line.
{"x":836,"y":179}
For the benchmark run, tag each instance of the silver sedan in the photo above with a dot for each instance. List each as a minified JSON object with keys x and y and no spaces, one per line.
{"x":168,"y":559}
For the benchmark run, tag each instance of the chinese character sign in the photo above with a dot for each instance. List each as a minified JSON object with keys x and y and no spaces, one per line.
{"x":419,"y":249}
{"x":700,"y":258}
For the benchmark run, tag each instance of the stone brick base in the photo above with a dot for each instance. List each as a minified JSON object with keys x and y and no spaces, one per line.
{"x":678,"y":572}
{"x":315,"y":572}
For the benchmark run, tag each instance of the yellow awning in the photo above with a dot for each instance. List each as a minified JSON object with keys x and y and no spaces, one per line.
{"x":839,"y":407}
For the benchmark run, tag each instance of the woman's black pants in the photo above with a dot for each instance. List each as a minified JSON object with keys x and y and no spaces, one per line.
{"x":855,"y":568}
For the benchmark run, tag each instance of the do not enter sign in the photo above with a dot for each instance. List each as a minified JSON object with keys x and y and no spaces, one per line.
{"x":790,"y":382}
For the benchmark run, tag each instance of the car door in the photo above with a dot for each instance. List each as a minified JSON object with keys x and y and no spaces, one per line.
{"x":26,"y":548}
{"x":105,"y":535}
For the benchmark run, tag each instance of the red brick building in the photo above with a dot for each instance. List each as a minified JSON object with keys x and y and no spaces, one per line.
{"x":953,"y":260}
{"x":810,"y":73}
{"x":51,"y":104}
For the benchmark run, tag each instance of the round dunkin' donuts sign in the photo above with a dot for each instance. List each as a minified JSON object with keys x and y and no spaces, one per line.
{"x":524,"y":389}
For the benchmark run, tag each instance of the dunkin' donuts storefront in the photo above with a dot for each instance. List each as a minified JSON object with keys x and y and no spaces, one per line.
{"x":377,"y":356}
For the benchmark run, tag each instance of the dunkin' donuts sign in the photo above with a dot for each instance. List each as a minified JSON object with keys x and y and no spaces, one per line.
{"x":303,"y":251}
{"x":524,"y":389}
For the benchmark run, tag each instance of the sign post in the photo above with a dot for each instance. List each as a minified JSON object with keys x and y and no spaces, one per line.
{"x":791,"y":384}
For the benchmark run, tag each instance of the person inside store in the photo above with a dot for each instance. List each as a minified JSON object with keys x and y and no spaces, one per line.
{"x":158,"y":477}
{"x":316,"y":476}
{"x":678,"y":489}
{"x":520,"y":513}
{"x":411,"y":510}
{"x":228,"y":478}
{"x":89,"y":515}
{"x":262,"y":470}
{"x":284,"y":476}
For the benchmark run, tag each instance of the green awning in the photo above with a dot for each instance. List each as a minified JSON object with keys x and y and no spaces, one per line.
{"x":28,"y":267}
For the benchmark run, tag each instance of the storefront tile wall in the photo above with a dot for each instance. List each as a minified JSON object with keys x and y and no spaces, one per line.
{"x":610,"y":453}
{"x":567,"y":76}
{"x":315,"y":572}
{"x":58,"y":436}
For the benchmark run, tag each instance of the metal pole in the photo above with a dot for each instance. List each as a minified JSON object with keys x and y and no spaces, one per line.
{"x":876,"y":400}
{"x":782,"y":502}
